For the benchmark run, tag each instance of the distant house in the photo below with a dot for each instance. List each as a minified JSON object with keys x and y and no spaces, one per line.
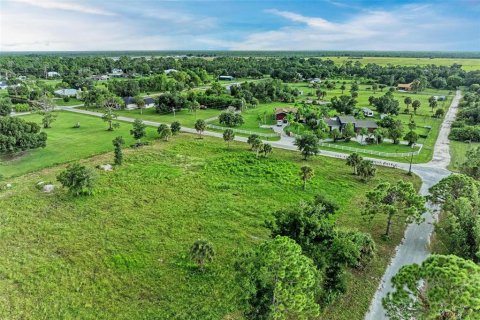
{"x":130,"y":104}
{"x":63,"y":93}
{"x":367,"y":112}
{"x":440,"y":98}
{"x":226,"y":78}
{"x":281,"y":113}
{"x":168,"y":71}
{"x":22,"y":78}
{"x":315,"y":80}
{"x":52,"y":74}
{"x":3,"y":85}
{"x":340,"y":122}
{"x":116,"y":73}
{"x":101,"y":77}
{"x":405,"y":86}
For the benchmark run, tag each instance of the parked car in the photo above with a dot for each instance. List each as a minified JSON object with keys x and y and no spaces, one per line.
{"x":279,"y":123}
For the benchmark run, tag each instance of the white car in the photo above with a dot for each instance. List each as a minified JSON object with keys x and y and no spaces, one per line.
{"x":279,"y":123}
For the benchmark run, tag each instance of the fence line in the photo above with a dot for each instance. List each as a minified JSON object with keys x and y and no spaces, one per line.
{"x":378,"y":153}
{"x":260,"y":134}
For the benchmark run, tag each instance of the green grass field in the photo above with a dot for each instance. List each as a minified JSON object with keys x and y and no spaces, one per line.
{"x":185,"y":117}
{"x":467,"y":64}
{"x":122,"y":253}
{"x":458,"y":150}
{"x":66,"y":143}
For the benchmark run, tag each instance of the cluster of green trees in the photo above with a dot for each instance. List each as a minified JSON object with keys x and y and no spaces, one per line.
{"x":231,"y":119}
{"x":18,"y":135}
{"x":446,"y":286}
{"x":365,"y":169}
{"x":264,"y":91}
{"x":467,"y":125}
{"x":302,"y":268}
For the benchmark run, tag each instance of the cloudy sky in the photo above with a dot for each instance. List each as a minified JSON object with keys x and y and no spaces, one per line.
{"x":58,"y":25}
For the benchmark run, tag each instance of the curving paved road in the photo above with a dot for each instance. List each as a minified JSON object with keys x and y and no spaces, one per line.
{"x":414,"y":245}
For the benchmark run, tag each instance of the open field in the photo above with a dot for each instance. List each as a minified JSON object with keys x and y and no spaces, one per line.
{"x":458,"y":150}
{"x":66,"y":143}
{"x":184,"y":116}
{"x":122,"y":253}
{"x":467,"y":64}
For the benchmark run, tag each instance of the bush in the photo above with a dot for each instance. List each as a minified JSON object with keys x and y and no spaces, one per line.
{"x":231,"y":119}
{"x":78,"y":179}
{"x":66,"y":99}
{"x":22,"y":107}
{"x":467,"y":133}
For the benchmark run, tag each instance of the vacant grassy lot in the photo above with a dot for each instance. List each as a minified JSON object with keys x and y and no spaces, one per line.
{"x":467,"y":64}
{"x":122,"y":253}
{"x":184,"y":116}
{"x":66,"y":143}
{"x":458,"y":150}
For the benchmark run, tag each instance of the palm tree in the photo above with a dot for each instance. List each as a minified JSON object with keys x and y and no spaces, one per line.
{"x":354,"y":160}
{"x":201,"y":251}
{"x":366,"y":169}
{"x":228,"y":136}
{"x":267,"y":149}
{"x":306,"y":173}
{"x":408,"y":102}
{"x":415,"y":104}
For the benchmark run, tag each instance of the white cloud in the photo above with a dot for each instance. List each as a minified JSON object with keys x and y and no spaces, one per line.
{"x":65,"y":5}
{"x":409,"y":27}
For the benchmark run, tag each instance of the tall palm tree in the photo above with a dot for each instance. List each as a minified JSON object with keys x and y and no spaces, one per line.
{"x":354,"y":160}
{"x":306,"y":173}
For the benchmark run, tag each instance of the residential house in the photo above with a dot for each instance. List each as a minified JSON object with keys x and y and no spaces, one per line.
{"x":226,"y":78}
{"x":116,"y":73}
{"x":63,"y":93}
{"x":315,"y":80}
{"x":405,"y":86}
{"x":101,"y":77}
{"x":129,"y":103}
{"x":168,"y":71}
{"x":340,"y":123}
{"x":281,"y":113}
{"x":367,"y":112}
{"x":3,"y":85}
{"x":52,"y":74}
{"x":440,"y":98}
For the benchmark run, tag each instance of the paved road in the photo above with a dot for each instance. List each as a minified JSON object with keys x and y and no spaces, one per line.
{"x":414,"y":246}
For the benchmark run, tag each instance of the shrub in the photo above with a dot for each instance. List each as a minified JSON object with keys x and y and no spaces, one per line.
{"x":78,"y":179}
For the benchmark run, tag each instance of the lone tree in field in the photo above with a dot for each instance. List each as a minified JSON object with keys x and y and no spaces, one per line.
{"x":118,"y":142}
{"x":78,"y":179}
{"x":27,"y":135}
{"x":228,"y":136}
{"x":353,"y":161}
{"x":202,"y":252}
{"x":267,"y":149}
{"x":343,"y":87}
{"x":257,"y":146}
{"x":408,"y":102}
{"x":109,"y":116}
{"x":432,"y":102}
{"x":366,"y":170}
{"x":399,"y":200}
{"x":200,"y":126}
{"x":279,"y":282}
{"x":164,"y":132}
{"x":442,"y":287}
{"x":175,"y":127}
{"x":48,"y":118}
{"x":306,"y":173}
{"x":415,"y":105}
{"x":139,"y":129}
{"x":5,"y":106}
{"x":308,"y":145}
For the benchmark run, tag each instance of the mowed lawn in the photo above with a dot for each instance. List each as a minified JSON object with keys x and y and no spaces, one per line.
{"x":65,"y":143}
{"x":184,"y":116}
{"x":123,"y":252}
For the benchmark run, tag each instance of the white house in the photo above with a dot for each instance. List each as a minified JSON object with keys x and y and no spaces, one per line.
{"x":3,"y":85}
{"x":52,"y":74}
{"x":315,"y":80}
{"x":66,"y":92}
{"x":168,"y":71}
{"x":130,"y":103}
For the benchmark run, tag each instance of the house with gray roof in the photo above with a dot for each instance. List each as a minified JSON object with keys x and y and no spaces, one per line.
{"x":339,"y":123}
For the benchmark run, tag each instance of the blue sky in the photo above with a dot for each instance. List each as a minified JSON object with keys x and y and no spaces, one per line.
{"x":58,"y":25}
